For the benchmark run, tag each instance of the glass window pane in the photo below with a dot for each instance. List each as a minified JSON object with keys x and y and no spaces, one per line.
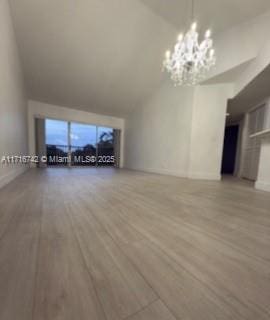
{"x":83,"y":144}
{"x":105,"y":136}
{"x":56,"y":132}
{"x":82,"y":135}
{"x":105,"y":146}
{"x":56,"y":142}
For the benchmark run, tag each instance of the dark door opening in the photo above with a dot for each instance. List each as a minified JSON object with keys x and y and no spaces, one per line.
{"x":229,"y":149}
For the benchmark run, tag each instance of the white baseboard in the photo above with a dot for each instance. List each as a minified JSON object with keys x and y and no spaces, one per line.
{"x":195,"y":176}
{"x":5,"y":179}
{"x":262,"y":185}
{"x":159,"y":171}
{"x":204,"y":176}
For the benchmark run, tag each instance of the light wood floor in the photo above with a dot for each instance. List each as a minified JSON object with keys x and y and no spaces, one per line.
{"x":92,"y":244}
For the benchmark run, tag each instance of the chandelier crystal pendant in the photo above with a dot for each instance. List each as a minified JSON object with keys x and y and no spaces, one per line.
{"x":190,"y":61}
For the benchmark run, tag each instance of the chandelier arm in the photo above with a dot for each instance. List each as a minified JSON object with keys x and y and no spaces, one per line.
{"x":190,"y":59}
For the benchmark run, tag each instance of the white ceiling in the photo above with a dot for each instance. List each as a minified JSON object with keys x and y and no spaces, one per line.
{"x":253,"y":94}
{"x":228,"y":76}
{"x":218,"y":14}
{"x":105,"y":55}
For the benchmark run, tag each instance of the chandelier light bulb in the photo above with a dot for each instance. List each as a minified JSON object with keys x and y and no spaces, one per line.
{"x":190,"y":59}
{"x":168,"y":54}
{"x":194,"y":26}
{"x":180,"y":37}
{"x":208,"y":34}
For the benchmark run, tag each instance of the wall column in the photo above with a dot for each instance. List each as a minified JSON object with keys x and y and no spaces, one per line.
{"x":207,"y":131}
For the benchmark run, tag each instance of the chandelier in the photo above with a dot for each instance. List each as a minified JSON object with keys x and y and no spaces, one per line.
{"x":190,"y":61}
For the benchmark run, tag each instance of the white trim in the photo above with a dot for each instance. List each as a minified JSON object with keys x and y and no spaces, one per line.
{"x":264,"y":103}
{"x":262,"y":185}
{"x":204,"y":176}
{"x":7,"y":178}
{"x":261,"y":134}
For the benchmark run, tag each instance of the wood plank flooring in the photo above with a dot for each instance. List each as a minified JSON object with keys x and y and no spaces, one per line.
{"x":104,"y":244}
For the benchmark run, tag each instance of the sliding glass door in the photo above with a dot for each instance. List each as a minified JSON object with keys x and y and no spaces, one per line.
{"x":78,"y":144}
{"x":56,"y":135}
{"x":105,"y":144}
{"x":83,"y":144}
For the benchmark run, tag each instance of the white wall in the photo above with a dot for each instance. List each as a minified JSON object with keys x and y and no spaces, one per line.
{"x":255,"y":67}
{"x":179,"y":131}
{"x":158,"y":132}
{"x":44,"y":110}
{"x":254,"y":153}
{"x":263,"y":181}
{"x":163,"y":125}
{"x":207,"y":133}
{"x":240,"y":44}
{"x":13,"y":106}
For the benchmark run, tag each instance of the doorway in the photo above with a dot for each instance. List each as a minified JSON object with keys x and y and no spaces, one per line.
{"x":230,"y":149}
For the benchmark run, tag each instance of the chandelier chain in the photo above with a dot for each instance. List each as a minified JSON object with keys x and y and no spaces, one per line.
{"x":192,"y":10}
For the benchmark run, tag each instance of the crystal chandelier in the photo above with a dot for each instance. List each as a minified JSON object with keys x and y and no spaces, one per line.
{"x":191,"y":59}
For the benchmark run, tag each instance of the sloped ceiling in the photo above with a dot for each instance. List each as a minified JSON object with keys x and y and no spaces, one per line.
{"x":253,"y":94}
{"x":105,"y":56}
{"x":216,"y":14}
{"x":228,"y":76}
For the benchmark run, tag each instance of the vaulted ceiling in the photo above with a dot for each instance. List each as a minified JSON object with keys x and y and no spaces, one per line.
{"x":105,"y":55}
{"x":218,"y":14}
{"x":253,"y":94}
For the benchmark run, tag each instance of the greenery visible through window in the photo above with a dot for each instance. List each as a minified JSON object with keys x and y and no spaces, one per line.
{"x":82,"y":141}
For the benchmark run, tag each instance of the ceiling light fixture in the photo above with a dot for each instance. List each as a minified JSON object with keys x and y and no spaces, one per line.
{"x":190,"y":60}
